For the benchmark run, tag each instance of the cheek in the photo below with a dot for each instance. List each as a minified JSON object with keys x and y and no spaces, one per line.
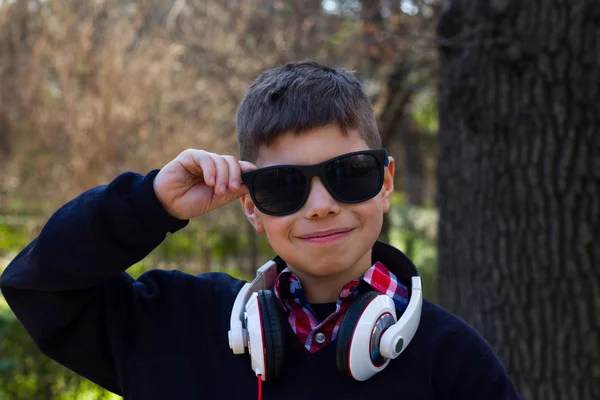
{"x":371,"y":213}
{"x":276,"y":228}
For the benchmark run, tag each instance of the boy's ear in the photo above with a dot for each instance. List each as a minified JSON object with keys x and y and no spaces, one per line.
{"x":388,"y":185}
{"x":252,"y":213}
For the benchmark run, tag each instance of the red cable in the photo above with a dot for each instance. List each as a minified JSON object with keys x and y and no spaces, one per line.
{"x":259,"y":387}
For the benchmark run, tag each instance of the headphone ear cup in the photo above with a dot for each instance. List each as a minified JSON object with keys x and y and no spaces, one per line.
{"x":273,"y":334}
{"x":347,"y":328}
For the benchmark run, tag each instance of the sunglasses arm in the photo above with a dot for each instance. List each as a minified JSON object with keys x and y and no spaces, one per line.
{"x":265,"y":279}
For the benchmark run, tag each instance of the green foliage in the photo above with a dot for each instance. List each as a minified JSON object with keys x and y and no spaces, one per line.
{"x":425,"y":113}
{"x":414,"y":231}
{"x":13,"y":237}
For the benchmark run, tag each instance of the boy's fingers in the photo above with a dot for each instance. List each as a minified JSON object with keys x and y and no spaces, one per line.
{"x":246,"y":166}
{"x":235,"y":177}
{"x":222,"y":178}
{"x":207,"y":165}
{"x":220,"y":172}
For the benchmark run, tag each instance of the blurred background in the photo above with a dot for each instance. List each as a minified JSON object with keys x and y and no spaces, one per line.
{"x":490,"y":107}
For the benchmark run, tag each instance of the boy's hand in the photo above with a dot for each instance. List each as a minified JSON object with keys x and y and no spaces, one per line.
{"x":197,"y":182}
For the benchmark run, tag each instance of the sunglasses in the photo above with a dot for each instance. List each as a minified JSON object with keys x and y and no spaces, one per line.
{"x":349,"y":178}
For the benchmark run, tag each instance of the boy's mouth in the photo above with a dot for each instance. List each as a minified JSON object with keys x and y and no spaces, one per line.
{"x":326,"y":236}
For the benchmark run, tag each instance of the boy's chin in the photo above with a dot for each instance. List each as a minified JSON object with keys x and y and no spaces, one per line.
{"x":329,"y":269}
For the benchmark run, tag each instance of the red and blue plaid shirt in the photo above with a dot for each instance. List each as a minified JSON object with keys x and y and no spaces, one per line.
{"x":305,"y":322}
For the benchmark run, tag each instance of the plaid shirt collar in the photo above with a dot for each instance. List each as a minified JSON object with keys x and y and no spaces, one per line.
{"x":304,"y":321}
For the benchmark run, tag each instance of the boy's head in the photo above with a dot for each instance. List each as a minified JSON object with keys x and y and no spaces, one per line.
{"x":300,"y":96}
{"x":304,"y":114}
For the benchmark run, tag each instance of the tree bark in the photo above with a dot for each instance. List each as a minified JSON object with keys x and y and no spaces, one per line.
{"x":395,"y":123}
{"x":519,"y":186}
{"x":371,"y":28}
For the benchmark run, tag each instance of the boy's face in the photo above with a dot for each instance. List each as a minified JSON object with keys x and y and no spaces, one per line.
{"x":343,"y":256}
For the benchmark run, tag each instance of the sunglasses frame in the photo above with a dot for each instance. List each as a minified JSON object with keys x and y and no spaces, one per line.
{"x":310,"y":171}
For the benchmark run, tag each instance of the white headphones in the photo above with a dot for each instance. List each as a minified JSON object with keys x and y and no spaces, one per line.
{"x":368,"y":338}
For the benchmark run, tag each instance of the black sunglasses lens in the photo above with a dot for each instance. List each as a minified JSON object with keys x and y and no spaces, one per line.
{"x":355,"y":178}
{"x":279,"y":190}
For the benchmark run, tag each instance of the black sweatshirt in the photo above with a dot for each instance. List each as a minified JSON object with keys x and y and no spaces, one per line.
{"x":164,"y":335}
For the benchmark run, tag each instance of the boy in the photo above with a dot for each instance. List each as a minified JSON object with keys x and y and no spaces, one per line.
{"x":169,"y":335}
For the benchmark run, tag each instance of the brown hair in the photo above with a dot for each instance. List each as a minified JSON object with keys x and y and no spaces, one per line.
{"x":300,"y":96}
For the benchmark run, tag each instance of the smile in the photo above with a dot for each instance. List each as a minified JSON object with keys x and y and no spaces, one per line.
{"x":328,"y":236}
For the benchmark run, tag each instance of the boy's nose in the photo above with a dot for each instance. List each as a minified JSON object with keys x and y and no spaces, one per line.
{"x":320,"y":203}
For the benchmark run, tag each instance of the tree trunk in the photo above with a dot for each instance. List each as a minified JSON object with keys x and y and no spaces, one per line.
{"x":371,"y":47}
{"x":395,"y":124}
{"x":519,"y":186}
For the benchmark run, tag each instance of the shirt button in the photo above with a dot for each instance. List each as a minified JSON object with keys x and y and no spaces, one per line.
{"x":320,"y":337}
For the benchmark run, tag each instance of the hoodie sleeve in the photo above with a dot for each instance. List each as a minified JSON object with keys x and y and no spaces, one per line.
{"x":69,"y":287}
